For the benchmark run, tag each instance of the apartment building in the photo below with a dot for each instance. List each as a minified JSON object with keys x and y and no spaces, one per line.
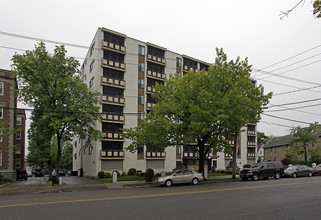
{"x":125,"y":70}
{"x":12,"y":146}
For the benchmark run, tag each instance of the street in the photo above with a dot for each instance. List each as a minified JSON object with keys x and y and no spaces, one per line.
{"x":298,"y":198}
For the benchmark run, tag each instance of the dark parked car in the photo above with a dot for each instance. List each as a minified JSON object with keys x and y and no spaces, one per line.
{"x":22,"y":174}
{"x":317,"y":170}
{"x":299,"y":170}
{"x":38,"y":173}
{"x":264,"y":169}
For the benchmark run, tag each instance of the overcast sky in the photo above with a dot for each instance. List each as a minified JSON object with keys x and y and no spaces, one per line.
{"x":250,"y":29}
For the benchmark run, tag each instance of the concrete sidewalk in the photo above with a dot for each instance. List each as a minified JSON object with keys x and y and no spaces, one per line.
{"x":83,"y":183}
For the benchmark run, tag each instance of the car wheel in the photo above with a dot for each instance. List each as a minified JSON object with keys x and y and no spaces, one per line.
{"x":310,"y":174}
{"x":277,"y":175}
{"x":265,"y":178}
{"x":168,"y":183}
{"x":195,"y":181}
{"x":244,"y":178}
{"x":255,"y":176}
{"x":294,"y":175}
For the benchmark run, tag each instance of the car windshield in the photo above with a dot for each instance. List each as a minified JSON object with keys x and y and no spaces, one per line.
{"x":255,"y":165}
{"x":292,"y":168}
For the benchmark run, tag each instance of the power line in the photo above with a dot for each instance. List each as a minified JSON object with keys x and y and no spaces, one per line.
{"x":294,"y":103}
{"x":307,"y":106}
{"x":299,"y":90}
{"x":272,"y":123}
{"x":287,"y":119}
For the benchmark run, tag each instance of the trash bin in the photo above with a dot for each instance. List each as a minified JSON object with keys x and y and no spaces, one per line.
{"x":81,"y":172}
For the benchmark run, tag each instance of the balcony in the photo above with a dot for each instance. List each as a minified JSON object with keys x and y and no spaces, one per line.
{"x":155,"y":75}
{"x":156,"y":59}
{"x":231,"y":143}
{"x":150,"y":89}
{"x":113,"y":100}
{"x":192,"y":155}
{"x":111,"y":154}
{"x":149,"y":105}
{"x":251,"y":156}
{"x":249,"y":132}
{"x":113,"y":136}
{"x":113,"y":82}
{"x":113,"y":64}
{"x":187,"y":68}
{"x":155,"y":155}
{"x":114,"y":118}
{"x":114,"y":47}
{"x":251,"y":144}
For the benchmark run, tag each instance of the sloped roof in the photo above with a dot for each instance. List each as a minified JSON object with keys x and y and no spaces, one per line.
{"x":278,"y":141}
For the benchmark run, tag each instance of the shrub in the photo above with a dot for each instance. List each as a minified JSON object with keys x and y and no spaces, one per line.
{"x":101,"y":174}
{"x":132,"y":172}
{"x":107,"y":175}
{"x":286,"y":161}
{"x":246,"y":165}
{"x":180,"y":166}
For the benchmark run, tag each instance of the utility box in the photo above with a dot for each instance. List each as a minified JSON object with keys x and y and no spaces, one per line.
{"x":114,"y":177}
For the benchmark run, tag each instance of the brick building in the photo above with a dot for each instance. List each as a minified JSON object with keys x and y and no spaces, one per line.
{"x":12,"y":146}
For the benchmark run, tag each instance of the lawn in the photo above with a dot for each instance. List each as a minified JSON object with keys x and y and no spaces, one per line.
{"x":123,"y":178}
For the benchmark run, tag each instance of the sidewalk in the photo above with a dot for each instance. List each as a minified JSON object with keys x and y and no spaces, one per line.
{"x":13,"y":188}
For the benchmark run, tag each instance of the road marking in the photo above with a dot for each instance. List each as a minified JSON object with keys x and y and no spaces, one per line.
{"x":156,"y":195}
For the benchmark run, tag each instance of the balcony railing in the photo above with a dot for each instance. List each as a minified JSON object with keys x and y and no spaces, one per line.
{"x":156,"y":59}
{"x":112,"y":154}
{"x":149,"y":105}
{"x":251,"y":143}
{"x":187,"y":68}
{"x":113,"y":136}
{"x":251,"y":155}
{"x":113,"y":100}
{"x":231,"y":142}
{"x":114,"y":47}
{"x":114,"y":64}
{"x":116,"y":118}
{"x":155,"y":75}
{"x":249,"y":132}
{"x":155,"y":155}
{"x":113,"y":82}
{"x":195,"y":154}
{"x":150,"y":89}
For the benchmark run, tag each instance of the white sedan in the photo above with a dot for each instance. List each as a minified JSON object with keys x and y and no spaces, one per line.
{"x":180,"y":176}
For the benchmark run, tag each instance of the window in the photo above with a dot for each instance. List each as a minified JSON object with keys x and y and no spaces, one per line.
{"x":1,"y":134}
{"x":178,"y":150}
{"x":178,"y":61}
{"x":1,"y":88}
{"x":91,"y":65}
{"x":141,"y":99}
{"x":18,"y":149}
{"x":91,"y":82}
{"x":1,"y":112}
{"x":141,"y":115}
{"x":141,"y":67}
{"x":18,"y":135}
{"x":0,"y":158}
{"x":75,"y":144}
{"x":90,"y":150}
{"x":19,"y":120}
{"x":141,"y":83}
{"x":75,"y":156}
{"x":141,"y":50}
{"x":140,"y":150}
{"x":92,"y":49}
{"x":18,"y":163}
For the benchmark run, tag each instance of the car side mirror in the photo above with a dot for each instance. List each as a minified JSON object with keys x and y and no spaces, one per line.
{"x":262,"y":167}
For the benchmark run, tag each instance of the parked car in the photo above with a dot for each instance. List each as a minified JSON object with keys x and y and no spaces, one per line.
{"x":29,"y":173}
{"x":317,"y":170}
{"x":180,"y":176}
{"x":38,"y":172}
{"x":299,"y":170}
{"x":263,"y":170}
{"x":22,"y":174}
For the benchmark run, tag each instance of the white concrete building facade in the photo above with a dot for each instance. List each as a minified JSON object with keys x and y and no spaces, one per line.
{"x":124,"y":70}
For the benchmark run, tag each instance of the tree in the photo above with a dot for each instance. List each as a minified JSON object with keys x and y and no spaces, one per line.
{"x":197,"y":108}
{"x":262,"y":138}
{"x":302,"y":139}
{"x":52,"y":86}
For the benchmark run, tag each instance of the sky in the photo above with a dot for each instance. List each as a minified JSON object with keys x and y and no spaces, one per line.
{"x":285,"y":54}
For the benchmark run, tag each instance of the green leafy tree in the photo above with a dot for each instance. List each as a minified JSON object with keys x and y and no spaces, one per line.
{"x":315,"y":154}
{"x":5,"y":132}
{"x":317,"y":8}
{"x":292,"y":154}
{"x":66,"y":158}
{"x":51,"y":84}
{"x":303,"y":138}
{"x":262,"y":138}
{"x":196,"y":108}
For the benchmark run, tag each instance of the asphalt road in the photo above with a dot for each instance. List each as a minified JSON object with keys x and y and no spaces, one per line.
{"x":298,"y":198}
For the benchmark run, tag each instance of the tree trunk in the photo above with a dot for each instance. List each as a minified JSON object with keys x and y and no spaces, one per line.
{"x":234,"y":156}
{"x":201,"y":158}
{"x":305,"y":155}
{"x":58,"y":156}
